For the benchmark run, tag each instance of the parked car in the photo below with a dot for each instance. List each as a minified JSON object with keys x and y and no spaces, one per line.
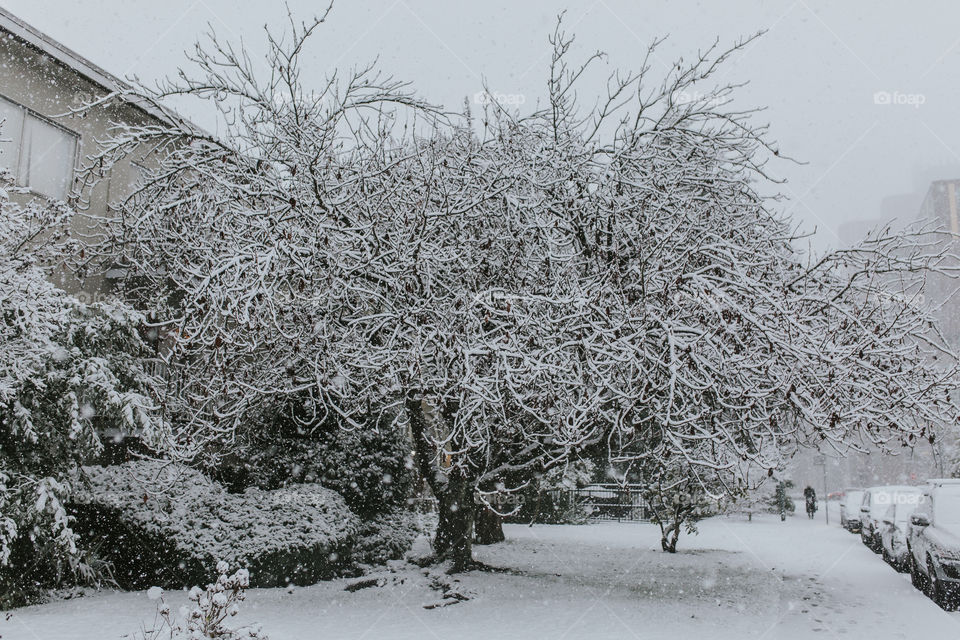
{"x":850,"y":510}
{"x":893,"y":531}
{"x":933,"y":538}
{"x":876,"y":501}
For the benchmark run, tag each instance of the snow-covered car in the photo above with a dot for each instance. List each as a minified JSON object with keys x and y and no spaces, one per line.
{"x":933,"y":537}
{"x":893,"y":531}
{"x":850,"y":510}
{"x":876,"y":501}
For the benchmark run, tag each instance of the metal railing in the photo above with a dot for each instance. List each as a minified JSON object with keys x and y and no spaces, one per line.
{"x":596,"y":502}
{"x":623,"y":503}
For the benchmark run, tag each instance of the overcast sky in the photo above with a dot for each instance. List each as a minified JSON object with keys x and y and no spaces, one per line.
{"x":818,"y":69}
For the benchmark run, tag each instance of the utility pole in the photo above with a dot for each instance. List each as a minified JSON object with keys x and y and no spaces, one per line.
{"x":822,"y":460}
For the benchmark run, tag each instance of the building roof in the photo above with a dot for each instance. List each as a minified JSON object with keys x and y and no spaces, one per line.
{"x":67,"y":57}
{"x":74,"y":61}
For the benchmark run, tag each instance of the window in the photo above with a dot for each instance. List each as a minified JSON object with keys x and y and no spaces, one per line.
{"x":10,"y":131}
{"x":39,"y":154}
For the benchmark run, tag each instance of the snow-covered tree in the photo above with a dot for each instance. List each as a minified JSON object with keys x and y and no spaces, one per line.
{"x":238,"y":247}
{"x":68,"y":370}
{"x":513,"y":288}
{"x":677,"y":498}
{"x":676,"y":492}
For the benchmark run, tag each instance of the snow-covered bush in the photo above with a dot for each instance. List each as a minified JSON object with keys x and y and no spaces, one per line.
{"x":388,"y":536}
{"x":207,"y":617}
{"x":676,"y":492}
{"x":164,"y":523}
{"x":68,"y":371}
{"x":368,"y":466}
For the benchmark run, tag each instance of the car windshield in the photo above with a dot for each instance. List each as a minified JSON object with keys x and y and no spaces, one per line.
{"x":880,"y":501}
{"x":853,"y":499}
{"x":903,"y":511}
{"x":947,"y":509}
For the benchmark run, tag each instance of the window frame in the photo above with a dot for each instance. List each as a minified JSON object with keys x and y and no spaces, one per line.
{"x":15,"y":171}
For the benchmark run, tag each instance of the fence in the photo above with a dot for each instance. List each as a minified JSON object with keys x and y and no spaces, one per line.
{"x":623,"y":503}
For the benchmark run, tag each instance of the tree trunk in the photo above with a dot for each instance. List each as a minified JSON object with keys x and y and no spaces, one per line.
{"x":454,"y":540}
{"x":536,"y":510}
{"x":670,"y":536}
{"x":488,"y":525}
{"x":454,"y":492}
{"x":669,"y":543}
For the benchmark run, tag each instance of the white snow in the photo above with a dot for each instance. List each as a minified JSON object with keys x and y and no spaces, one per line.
{"x":737,"y":579}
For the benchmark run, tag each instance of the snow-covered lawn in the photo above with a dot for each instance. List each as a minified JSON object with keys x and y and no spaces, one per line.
{"x":737,"y":579}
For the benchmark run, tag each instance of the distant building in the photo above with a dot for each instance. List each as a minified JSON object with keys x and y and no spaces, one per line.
{"x":896,"y":210}
{"x":940,"y":204}
{"x":941,"y":209}
{"x":900,"y":209}
{"x":851,"y":232}
{"x":923,"y":176}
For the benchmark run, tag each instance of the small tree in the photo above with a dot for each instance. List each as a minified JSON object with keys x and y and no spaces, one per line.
{"x":676,"y":493}
{"x":677,"y":500}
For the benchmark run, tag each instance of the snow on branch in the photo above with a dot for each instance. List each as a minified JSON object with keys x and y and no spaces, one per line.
{"x":519,"y":289}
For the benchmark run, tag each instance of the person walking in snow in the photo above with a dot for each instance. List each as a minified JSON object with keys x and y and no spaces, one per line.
{"x":810,"y":496}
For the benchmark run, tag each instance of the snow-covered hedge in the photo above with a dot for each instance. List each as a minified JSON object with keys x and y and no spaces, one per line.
{"x":165,"y":524}
{"x":387,"y":537}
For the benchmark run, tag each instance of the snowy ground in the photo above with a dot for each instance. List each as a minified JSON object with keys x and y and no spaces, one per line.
{"x":737,"y":579}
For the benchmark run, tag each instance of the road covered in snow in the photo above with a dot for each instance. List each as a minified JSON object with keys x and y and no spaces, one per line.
{"x":737,"y":579}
